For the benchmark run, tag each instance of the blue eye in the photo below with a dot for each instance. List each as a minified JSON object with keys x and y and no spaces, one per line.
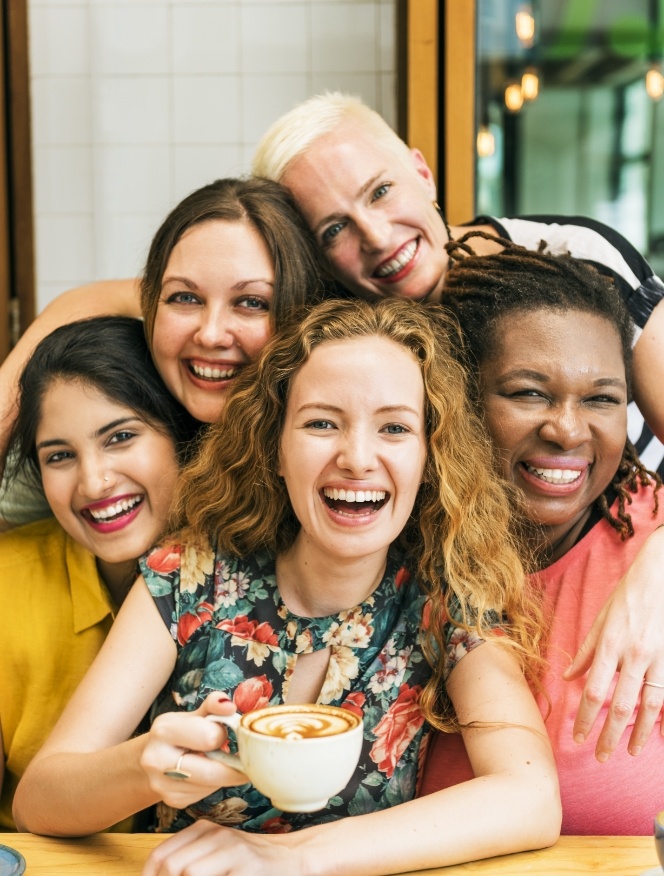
{"x":395,"y":429}
{"x":320,"y":424}
{"x":182,"y":298}
{"x":330,"y":233}
{"x":254,"y":303}
{"x":381,"y":191}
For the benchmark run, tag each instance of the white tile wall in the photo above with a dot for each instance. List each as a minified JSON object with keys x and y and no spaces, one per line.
{"x":137,"y":102}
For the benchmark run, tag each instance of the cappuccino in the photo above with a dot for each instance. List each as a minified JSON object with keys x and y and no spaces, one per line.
{"x":300,"y":722}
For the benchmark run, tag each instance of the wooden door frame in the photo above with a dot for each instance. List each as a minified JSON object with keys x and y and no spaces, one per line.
{"x":17,"y":271}
{"x":436,"y":94}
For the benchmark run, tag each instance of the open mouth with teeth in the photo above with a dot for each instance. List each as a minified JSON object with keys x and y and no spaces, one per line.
{"x":113,"y":512}
{"x":212,"y":372}
{"x":354,"y":503}
{"x":402,"y":260}
{"x":555,"y":476}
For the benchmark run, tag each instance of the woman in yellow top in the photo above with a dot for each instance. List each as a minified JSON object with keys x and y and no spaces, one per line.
{"x":100,"y":431}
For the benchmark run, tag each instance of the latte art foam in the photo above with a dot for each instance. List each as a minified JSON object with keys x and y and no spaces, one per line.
{"x":301,"y":724}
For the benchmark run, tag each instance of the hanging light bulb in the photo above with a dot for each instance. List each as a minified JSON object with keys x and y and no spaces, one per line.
{"x":529,"y":83}
{"x":486,"y":142}
{"x":513,"y":97}
{"x":655,"y":82}
{"x":525,"y":25}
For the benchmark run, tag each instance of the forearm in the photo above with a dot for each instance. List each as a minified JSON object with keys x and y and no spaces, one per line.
{"x":648,"y":371}
{"x":487,"y":816}
{"x":112,"y":297}
{"x":79,"y":794}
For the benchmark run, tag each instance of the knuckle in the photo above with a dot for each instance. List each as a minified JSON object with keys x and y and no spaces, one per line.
{"x":594,"y":695}
{"x":621,"y":710}
{"x":651,"y":705}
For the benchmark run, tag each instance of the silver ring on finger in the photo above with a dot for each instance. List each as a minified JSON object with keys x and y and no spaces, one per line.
{"x":653,"y":684}
{"x":177,"y":772}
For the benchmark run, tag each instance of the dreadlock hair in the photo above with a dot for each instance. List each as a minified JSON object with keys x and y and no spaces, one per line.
{"x":482,"y":290}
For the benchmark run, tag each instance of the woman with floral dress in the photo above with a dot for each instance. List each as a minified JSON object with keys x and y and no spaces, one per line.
{"x":346,"y":475}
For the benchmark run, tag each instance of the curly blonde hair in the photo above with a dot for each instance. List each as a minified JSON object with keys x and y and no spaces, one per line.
{"x":461,"y":534}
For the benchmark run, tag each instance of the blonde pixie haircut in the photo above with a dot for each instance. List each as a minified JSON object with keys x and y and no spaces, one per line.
{"x":460,"y":532}
{"x":296,"y":130}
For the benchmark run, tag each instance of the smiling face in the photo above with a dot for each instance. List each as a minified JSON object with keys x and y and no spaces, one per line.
{"x":108,"y":475}
{"x":371,"y":210}
{"x":555,"y":397}
{"x":213,"y":313}
{"x":353,"y":446}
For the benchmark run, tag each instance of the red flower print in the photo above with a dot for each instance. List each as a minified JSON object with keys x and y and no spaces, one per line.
{"x":402,"y":577}
{"x":164,"y":559}
{"x":354,"y":702}
{"x":252,"y":693}
{"x":276,"y":825}
{"x":396,"y":729}
{"x":242,"y":627}
{"x":192,"y":621}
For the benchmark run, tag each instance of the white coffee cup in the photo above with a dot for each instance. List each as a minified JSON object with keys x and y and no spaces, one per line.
{"x":298,"y":756}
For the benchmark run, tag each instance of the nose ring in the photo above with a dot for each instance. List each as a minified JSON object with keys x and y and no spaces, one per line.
{"x":105,"y":478}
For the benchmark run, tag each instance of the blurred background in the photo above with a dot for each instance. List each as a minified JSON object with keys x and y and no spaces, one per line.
{"x":113,"y":111}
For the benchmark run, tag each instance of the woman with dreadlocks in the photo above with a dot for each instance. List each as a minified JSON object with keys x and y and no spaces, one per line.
{"x":549,"y":341}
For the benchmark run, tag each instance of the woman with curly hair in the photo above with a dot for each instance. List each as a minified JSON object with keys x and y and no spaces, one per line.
{"x":342,"y":538}
{"x":550,"y":342}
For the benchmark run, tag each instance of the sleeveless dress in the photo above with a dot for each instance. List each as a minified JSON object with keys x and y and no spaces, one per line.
{"x":234,"y":634}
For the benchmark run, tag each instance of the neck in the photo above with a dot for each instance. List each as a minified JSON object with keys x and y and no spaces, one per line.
{"x":118,"y":578}
{"x":313,"y":584}
{"x":560,"y":539}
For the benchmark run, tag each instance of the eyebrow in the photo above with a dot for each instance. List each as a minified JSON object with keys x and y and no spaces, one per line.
{"x":360,"y":192}
{"x":334,"y":409}
{"x":529,"y":374}
{"x":190,"y":284}
{"x":103,"y":430}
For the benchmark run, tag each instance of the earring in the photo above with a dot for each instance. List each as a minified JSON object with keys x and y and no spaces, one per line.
{"x":106,"y":479}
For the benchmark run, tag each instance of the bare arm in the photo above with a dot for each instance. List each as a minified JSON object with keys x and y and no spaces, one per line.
{"x":90,"y":774}
{"x":113,"y":297}
{"x":513,"y":803}
{"x":648,"y":371}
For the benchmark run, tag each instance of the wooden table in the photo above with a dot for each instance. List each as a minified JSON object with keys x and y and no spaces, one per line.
{"x":109,"y":854}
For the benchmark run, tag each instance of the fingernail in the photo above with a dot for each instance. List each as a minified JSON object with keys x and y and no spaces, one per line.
{"x":579,"y":738}
{"x":636,"y":750}
{"x":602,"y":757}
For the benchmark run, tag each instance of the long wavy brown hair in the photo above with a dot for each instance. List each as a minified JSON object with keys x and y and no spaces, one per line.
{"x":461,"y":535}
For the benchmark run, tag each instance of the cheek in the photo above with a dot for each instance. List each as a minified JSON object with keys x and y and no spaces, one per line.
{"x":255,"y":337}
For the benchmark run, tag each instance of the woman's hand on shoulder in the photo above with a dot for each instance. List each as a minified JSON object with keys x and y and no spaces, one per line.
{"x":204,"y":848}
{"x":177,"y":742}
{"x":626,"y":638}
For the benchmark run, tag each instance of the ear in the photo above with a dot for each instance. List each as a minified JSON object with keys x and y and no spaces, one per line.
{"x":424,"y":171}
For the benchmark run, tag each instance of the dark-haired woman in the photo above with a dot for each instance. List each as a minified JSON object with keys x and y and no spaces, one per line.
{"x":104,"y":437}
{"x":550,"y":341}
{"x":227,"y":266}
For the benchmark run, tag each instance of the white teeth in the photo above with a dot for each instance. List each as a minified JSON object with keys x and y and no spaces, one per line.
{"x":354,"y":495}
{"x":555,"y":475}
{"x":208,"y":373}
{"x":399,"y":262}
{"x":120,"y":507}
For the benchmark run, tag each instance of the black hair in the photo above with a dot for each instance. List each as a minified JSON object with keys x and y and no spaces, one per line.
{"x":109,"y":353}
{"x":482,"y":290}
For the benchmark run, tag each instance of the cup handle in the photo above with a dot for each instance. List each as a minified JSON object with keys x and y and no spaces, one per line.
{"x":231,"y":760}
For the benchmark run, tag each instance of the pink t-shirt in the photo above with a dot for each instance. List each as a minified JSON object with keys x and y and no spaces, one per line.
{"x":622,"y":796}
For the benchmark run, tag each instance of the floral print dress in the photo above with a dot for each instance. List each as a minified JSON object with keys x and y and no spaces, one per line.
{"x":235,"y":635}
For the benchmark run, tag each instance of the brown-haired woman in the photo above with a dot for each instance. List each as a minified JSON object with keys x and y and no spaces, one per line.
{"x":227,"y":266}
{"x":345,"y":501}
